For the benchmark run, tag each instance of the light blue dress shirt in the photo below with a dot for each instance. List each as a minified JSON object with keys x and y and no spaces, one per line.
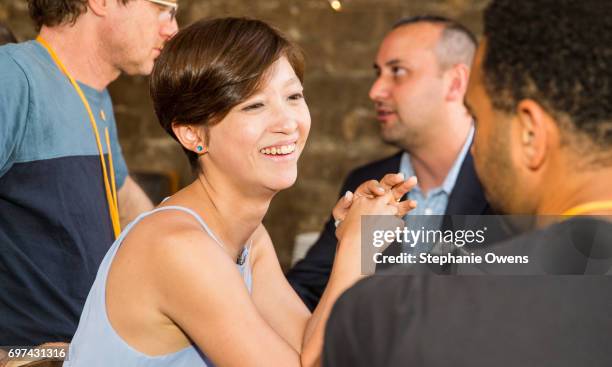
{"x":435,"y":201}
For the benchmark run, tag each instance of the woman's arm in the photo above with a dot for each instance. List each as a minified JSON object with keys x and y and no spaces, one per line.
{"x":201,"y":290}
{"x":281,"y":307}
{"x":275,"y":298}
{"x":346,"y":271}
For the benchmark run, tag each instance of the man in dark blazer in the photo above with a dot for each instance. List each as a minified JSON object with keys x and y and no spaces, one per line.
{"x":542,"y":147}
{"x":422,"y":69}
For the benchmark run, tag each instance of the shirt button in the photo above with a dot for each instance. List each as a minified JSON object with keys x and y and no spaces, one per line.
{"x":428,"y":211}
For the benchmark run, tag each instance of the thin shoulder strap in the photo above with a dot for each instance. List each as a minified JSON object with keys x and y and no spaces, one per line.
{"x":193,"y":214}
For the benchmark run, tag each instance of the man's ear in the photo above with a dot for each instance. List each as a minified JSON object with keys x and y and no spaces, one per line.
{"x":191,"y":137}
{"x":537,"y":130}
{"x":458,"y":77}
{"x":99,"y":7}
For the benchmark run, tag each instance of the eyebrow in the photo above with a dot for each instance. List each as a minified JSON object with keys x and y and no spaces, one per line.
{"x":391,"y":62}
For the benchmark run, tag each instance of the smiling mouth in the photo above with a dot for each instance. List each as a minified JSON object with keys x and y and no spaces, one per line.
{"x":279,"y":150}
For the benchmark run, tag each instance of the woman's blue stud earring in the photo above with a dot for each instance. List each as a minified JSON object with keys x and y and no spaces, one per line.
{"x":199,"y":148}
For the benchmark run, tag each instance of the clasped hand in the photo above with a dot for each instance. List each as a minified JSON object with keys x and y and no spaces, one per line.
{"x":373,"y":198}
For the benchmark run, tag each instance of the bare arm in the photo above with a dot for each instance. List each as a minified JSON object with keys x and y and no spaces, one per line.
{"x":346,"y":271}
{"x":280,"y":306}
{"x":132,"y":201}
{"x":277,"y":301}
{"x":202,"y":291}
{"x":274,"y":298}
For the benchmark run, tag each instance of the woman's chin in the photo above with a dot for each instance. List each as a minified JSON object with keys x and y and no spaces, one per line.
{"x":281,"y":182}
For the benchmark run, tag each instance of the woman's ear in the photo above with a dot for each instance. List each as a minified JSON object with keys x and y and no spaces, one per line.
{"x":191,"y":137}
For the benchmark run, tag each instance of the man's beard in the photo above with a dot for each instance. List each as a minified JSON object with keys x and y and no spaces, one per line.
{"x":498,"y":177}
{"x":400,"y":136}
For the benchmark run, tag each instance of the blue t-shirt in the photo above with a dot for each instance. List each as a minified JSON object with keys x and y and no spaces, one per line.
{"x":54,"y":221}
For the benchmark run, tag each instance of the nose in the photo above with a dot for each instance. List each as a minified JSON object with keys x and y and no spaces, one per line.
{"x":169,"y":29}
{"x":379,"y":90}
{"x":285,"y":120}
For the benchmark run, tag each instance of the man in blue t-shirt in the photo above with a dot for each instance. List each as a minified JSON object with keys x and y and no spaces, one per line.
{"x":63,"y":188}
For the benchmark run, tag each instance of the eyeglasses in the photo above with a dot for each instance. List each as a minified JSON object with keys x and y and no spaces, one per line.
{"x":168,"y":14}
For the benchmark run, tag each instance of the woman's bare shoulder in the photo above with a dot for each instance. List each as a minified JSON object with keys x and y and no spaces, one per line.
{"x":170,"y":234}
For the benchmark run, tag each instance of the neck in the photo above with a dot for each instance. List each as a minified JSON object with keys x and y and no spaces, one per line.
{"x":430,"y":162}
{"x":230,"y":214}
{"x":78,"y":48}
{"x":586,"y":187}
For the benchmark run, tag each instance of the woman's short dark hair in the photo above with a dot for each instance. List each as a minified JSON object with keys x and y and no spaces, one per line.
{"x":211,"y":66}
{"x":51,"y":13}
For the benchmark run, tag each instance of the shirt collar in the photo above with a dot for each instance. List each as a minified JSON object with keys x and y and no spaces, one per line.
{"x":451,"y":177}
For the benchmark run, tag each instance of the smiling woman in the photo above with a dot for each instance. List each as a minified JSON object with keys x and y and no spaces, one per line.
{"x":197,"y":279}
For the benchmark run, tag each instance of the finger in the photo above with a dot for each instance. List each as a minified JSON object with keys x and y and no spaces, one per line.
{"x":375,"y":188}
{"x":339,"y":211}
{"x":391,"y":179}
{"x":405,"y":206}
{"x":347,"y":199}
{"x":402,"y":188}
{"x":381,"y":205}
{"x":371,"y":188}
{"x":393,"y":209}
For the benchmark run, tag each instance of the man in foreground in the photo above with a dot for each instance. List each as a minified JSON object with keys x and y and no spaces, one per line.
{"x":541,"y":92}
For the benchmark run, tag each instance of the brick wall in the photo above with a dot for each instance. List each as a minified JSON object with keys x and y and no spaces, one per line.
{"x":339,"y":47}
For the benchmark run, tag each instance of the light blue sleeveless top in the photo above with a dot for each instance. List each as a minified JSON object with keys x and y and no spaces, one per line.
{"x":96,"y":343}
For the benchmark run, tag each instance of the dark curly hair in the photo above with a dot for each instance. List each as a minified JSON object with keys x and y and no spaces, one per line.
{"x":211,"y":66}
{"x":558,"y":53}
{"x":51,"y":13}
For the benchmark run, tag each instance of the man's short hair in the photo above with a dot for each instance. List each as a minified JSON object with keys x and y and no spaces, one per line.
{"x":457,"y":44}
{"x":51,"y":13}
{"x":6,"y":36}
{"x":559,"y":54}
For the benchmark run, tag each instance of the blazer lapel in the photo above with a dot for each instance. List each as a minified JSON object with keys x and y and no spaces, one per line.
{"x":467,"y":197}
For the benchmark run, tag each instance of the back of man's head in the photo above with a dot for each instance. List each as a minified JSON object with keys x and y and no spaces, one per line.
{"x":51,"y":13}
{"x":559,"y":54}
{"x":457,"y":43}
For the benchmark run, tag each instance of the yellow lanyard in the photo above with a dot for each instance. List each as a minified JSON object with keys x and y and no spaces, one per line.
{"x":589,"y":207}
{"x":109,"y":185}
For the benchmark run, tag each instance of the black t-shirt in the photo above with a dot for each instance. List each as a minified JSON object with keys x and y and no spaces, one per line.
{"x":487,"y":320}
